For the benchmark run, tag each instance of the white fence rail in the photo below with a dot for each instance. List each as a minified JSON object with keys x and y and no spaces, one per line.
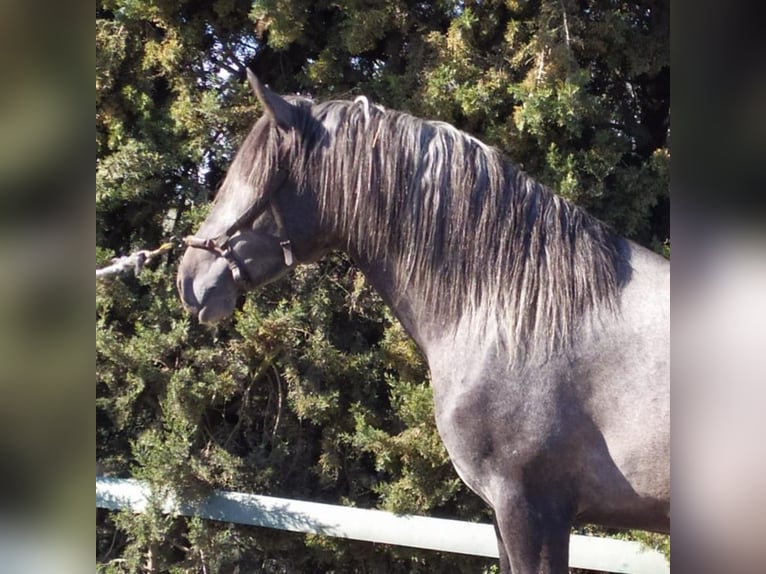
{"x":477,"y":539}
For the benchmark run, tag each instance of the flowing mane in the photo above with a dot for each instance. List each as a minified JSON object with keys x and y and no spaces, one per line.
{"x":459,"y":222}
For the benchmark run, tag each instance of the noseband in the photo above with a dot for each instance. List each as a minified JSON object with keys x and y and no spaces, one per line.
{"x":225,"y":250}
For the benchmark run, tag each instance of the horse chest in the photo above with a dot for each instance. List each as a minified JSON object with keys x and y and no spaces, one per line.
{"x":491,"y":424}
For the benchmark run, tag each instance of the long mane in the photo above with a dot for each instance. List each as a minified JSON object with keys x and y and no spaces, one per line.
{"x":453,"y":218}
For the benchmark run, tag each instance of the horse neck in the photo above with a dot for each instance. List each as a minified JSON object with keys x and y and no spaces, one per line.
{"x":422,"y":322}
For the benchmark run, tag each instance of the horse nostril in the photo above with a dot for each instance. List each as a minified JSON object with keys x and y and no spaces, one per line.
{"x":186,"y":294}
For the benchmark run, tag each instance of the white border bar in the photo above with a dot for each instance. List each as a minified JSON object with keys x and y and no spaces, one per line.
{"x":441,"y":534}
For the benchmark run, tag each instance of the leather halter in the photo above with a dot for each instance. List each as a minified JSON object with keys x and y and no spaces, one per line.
{"x":225,"y":250}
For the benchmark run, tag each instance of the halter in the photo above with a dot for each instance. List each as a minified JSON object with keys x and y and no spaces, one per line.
{"x":225,"y":250}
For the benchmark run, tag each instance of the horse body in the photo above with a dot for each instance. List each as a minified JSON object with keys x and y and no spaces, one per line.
{"x":585,"y":432}
{"x":545,"y":334}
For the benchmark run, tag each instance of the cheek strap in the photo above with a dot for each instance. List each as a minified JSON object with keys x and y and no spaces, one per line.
{"x":284,"y":241}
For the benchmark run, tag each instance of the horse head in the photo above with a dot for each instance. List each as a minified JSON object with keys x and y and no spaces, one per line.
{"x":259,"y":226}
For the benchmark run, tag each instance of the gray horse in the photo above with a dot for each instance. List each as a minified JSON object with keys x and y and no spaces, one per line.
{"x":547,"y":335}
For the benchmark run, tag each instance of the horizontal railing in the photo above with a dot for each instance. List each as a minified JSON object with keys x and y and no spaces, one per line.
{"x":587,"y":552}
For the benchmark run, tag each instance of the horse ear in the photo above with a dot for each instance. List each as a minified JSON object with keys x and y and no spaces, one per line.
{"x":276,"y":107}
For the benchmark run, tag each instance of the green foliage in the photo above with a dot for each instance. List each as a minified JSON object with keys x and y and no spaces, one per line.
{"x":312,"y":390}
{"x":421,"y":478}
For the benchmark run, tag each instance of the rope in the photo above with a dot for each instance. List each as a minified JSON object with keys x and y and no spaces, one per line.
{"x":135,"y":260}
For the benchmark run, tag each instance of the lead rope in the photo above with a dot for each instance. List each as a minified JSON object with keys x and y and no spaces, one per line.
{"x":136,"y":260}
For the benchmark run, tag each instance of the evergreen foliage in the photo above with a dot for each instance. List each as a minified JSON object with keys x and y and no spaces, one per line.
{"x":312,"y":390}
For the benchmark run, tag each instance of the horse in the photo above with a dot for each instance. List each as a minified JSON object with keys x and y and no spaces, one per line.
{"x":546,"y":334}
